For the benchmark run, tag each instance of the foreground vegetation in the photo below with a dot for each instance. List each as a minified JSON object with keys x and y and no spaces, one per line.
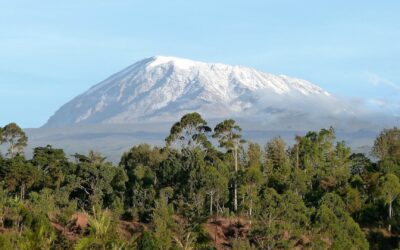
{"x":206,"y":189}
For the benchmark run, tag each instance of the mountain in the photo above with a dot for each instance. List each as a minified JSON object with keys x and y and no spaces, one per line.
{"x":164,"y":88}
{"x":140,"y":103}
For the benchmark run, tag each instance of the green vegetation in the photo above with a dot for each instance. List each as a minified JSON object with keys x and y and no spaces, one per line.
{"x":206,"y":189}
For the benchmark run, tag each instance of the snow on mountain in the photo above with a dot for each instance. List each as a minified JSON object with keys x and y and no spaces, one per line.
{"x":164,"y":88}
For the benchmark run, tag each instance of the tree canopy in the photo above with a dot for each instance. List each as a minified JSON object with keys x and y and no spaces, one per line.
{"x":204,"y":189}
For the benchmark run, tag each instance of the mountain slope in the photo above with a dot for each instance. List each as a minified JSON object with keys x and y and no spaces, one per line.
{"x":140,"y":104}
{"x":163,"y":88}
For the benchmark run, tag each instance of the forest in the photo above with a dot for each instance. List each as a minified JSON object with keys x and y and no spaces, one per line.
{"x":206,"y":188}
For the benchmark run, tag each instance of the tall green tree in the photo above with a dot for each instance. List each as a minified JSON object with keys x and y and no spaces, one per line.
{"x":336,"y":227}
{"x":326,"y":163}
{"x":389,"y":190}
{"x":21,"y":175}
{"x":215,"y":186}
{"x":163,"y":221}
{"x":254,"y":155}
{"x":251,"y":183}
{"x":228,"y":134}
{"x":281,"y":222}
{"x":14,"y":137}
{"x":360,"y":164}
{"x":277,"y":164}
{"x":53,"y":163}
{"x":141,"y":164}
{"x":387,"y":149}
{"x":387,"y":144}
{"x":95,"y":184}
{"x":189,"y":132}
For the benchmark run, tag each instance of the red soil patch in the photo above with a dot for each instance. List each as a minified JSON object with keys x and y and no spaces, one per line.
{"x":222,"y":230}
{"x":75,"y":226}
{"x":81,"y":220}
{"x":127,"y":229}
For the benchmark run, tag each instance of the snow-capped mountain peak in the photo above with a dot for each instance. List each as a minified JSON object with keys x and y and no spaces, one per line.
{"x":164,"y":88}
{"x":177,"y":62}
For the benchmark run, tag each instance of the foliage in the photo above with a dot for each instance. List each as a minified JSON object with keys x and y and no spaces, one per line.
{"x":192,"y":194}
{"x":14,"y":137}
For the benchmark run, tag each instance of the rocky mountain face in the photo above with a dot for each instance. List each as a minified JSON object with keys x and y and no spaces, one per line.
{"x":164,"y":88}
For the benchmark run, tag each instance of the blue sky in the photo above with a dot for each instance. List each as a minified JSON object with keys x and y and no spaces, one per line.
{"x":51,"y":51}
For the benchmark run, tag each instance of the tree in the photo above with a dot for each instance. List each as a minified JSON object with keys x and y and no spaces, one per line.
{"x":3,"y":207}
{"x":96,"y":158}
{"x":336,"y":172}
{"x":387,"y":149}
{"x":335,"y":225}
{"x":282,"y":220}
{"x":143,"y":192}
{"x":277,"y":164}
{"x":141,"y":164}
{"x":315,"y":149}
{"x":192,"y":181}
{"x":15,"y":137}
{"x":359,"y":164}
{"x":387,"y":145}
{"x":163,"y":221}
{"x":327,"y":165}
{"x":215,"y":185}
{"x":21,"y":175}
{"x":147,"y":242}
{"x":254,"y":155}
{"x":228,"y":135}
{"x":190,"y":131}
{"x":251,"y":183}
{"x":41,"y":236}
{"x":389,"y":189}
{"x":170,"y":171}
{"x":352,"y":200}
{"x":298,"y":181}
{"x":96,"y":184}
{"x":102,"y":233}
{"x":53,"y":163}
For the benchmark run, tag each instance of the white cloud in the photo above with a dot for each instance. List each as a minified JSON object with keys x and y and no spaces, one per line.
{"x":378,"y":102}
{"x":377,"y":80}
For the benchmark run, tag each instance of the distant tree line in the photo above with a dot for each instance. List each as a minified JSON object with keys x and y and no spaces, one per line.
{"x":207,"y":188}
